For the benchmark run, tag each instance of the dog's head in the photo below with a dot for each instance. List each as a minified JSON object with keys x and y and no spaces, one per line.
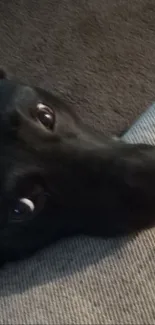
{"x":50,"y":169}
{"x":58,"y":177}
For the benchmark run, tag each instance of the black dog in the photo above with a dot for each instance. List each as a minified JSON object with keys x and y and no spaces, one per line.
{"x":59,"y":178}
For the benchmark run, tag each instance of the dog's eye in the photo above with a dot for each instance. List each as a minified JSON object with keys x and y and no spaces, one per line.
{"x":23,"y":210}
{"x":46,"y":116}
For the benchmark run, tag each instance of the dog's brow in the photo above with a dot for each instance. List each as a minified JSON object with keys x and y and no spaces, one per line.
{"x":25,"y":95}
{"x":7,"y":91}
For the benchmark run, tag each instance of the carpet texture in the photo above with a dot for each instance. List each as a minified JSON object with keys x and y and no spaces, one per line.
{"x":99,"y":56}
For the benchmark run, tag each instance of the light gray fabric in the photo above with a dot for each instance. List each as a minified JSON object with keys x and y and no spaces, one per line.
{"x":84,"y":280}
{"x":143,"y":129}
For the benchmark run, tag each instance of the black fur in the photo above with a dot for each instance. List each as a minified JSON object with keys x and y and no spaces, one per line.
{"x":89,"y":184}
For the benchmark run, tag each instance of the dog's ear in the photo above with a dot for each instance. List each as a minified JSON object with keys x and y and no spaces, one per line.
{"x":3,"y":74}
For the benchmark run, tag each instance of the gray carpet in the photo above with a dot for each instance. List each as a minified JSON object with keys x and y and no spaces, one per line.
{"x":100,"y":57}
